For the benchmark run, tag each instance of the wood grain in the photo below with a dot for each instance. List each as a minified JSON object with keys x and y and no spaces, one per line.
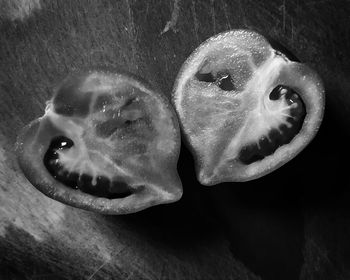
{"x":219,"y":233}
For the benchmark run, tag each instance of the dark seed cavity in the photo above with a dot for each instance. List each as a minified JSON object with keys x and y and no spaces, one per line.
{"x":226,"y":83}
{"x":129,"y":102}
{"x":205,"y":77}
{"x":250,"y":154}
{"x":276,"y":94}
{"x":103,"y":187}
{"x":277,"y":137}
{"x":222,"y":80}
{"x":61,"y":143}
{"x":70,"y":102}
{"x":102,"y":101}
{"x":288,"y":93}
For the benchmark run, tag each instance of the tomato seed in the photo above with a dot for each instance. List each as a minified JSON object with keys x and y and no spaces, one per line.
{"x":84,"y":182}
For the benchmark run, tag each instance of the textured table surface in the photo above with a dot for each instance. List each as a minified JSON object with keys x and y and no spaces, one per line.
{"x":292,"y":224}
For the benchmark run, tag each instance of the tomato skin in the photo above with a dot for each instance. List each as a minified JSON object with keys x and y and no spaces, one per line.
{"x":215,"y":142}
{"x":159,"y":186}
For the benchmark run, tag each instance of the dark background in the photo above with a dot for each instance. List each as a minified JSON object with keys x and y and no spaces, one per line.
{"x":292,"y":224}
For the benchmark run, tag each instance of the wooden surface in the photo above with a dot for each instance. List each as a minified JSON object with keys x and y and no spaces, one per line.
{"x":292,"y":224}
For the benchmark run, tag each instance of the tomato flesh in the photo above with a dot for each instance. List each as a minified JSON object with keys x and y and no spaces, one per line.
{"x":245,"y":108}
{"x":101,"y":186}
{"x":282,"y":135}
{"x":108,"y":142}
{"x":118,"y":125}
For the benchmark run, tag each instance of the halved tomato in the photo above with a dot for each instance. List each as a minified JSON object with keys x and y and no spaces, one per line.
{"x":245,"y":108}
{"x":108,"y":142}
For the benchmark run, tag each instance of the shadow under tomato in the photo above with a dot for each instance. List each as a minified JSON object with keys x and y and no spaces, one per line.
{"x":261,"y":220}
{"x":264,"y":222}
{"x":265,"y":218}
{"x":187,"y":223}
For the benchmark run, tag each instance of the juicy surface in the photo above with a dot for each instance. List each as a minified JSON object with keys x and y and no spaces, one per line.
{"x":127,"y":132}
{"x":248,"y":113}
{"x":221,"y":122}
{"x":282,"y":135}
{"x":100,"y":186}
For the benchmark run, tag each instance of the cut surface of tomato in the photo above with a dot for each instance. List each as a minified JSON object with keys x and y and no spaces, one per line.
{"x":244,"y":108}
{"x":108,"y":142}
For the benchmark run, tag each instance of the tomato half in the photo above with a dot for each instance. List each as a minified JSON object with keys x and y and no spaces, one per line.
{"x":108,"y":142}
{"x":244,"y":107}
